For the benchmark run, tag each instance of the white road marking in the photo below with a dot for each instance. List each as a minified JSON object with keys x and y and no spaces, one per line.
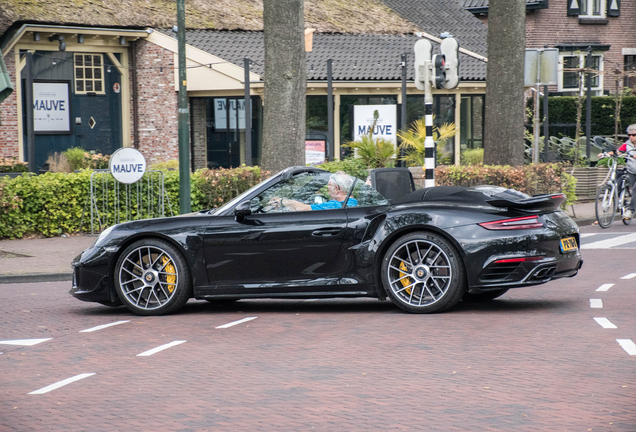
{"x":628,"y":345}
{"x":605,"y":323}
{"x":604,"y":287}
{"x":629,"y":276}
{"x":608,"y":243}
{"x":103,"y":326}
{"x":596,"y":303}
{"x":160,"y":348}
{"x":24,"y":342}
{"x":587,"y":235}
{"x":236,"y":322}
{"x":62,"y":383}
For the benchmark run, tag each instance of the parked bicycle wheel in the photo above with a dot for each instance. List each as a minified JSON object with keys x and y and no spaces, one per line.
{"x":624,"y":200}
{"x":605,"y":206}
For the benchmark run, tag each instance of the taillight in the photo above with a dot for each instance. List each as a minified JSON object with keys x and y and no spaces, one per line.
{"x":525,"y":222}
{"x":516,"y":260}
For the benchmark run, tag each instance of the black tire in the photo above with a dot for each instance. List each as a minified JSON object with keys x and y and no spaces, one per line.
{"x":484,"y":297}
{"x":423,"y":273}
{"x":605,"y":212}
{"x":625,"y":198}
{"x":152,"y":278}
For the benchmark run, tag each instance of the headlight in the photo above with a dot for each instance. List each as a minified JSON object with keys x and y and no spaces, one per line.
{"x":103,"y":235}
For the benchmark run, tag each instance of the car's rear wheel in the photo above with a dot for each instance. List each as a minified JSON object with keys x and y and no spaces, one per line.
{"x":152,"y":278}
{"x":484,"y":297}
{"x":422,"y":273}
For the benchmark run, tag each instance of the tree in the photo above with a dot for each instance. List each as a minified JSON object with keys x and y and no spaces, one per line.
{"x":504,"y":116}
{"x":285,"y":85}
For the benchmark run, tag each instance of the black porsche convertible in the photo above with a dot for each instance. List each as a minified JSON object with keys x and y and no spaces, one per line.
{"x":308,"y":233}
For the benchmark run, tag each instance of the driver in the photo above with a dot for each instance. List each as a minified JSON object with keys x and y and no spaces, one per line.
{"x":338,"y":187}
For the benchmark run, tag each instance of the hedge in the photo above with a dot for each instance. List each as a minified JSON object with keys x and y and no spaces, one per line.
{"x":562,"y":110}
{"x":530,"y":179}
{"x":54,"y":203}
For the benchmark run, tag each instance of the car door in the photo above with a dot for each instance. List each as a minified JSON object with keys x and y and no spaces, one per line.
{"x":289,"y":249}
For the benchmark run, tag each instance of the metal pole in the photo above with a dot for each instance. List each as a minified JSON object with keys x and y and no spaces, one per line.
{"x":184,"y":155}
{"x":588,"y":106}
{"x":29,"y":111}
{"x":429,"y":143}
{"x":403,"y":119}
{"x":330,"y":129}
{"x":535,"y":146}
{"x":546,"y":124}
{"x":248,"y":114}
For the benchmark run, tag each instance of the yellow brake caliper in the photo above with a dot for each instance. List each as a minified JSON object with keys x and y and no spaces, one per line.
{"x":406,"y":281}
{"x":172,"y":277}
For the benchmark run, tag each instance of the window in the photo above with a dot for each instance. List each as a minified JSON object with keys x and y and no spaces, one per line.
{"x":89,"y":73}
{"x":592,"y":8}
{"x":572,"y":80}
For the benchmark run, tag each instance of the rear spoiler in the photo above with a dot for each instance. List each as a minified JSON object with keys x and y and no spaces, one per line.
{"x":545,"y":202}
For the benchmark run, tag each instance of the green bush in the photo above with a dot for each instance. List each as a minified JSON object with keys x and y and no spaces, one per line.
{"x":352,"y":166}
{"x":12,"y":165}
{"x":472,"y":156}
{"x":54,"y":203}
{"x":79,"y":158}
{"x":531,"y":179}
{"x":562,"y":110}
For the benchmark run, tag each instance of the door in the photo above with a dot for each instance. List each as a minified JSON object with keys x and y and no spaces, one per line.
{"x":226,"y":132}
{"x":273,"y":250}
{"x":275,"y":247}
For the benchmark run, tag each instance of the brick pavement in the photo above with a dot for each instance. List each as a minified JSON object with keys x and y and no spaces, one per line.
{"x":534,"y":360}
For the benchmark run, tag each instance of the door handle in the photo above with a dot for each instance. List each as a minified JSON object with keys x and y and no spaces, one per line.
{"x":326,"y":232}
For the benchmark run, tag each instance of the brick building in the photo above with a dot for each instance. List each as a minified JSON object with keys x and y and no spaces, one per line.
{"x":117,"y":82}
{"x":574,"y":25}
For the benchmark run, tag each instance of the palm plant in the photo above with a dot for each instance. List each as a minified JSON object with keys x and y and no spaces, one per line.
{"x":413,"y":142}
{"x":374,"y":152}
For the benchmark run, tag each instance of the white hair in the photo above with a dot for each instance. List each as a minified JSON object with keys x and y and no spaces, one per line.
{"x":343,"y":180}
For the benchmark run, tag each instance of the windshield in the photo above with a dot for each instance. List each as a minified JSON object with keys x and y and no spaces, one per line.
{"x":244,"y":195}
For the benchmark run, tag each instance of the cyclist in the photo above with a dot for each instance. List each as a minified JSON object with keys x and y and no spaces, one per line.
{"x":626,"y":149}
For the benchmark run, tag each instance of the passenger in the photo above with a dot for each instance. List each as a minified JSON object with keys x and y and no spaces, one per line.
{"x":338,"y":187}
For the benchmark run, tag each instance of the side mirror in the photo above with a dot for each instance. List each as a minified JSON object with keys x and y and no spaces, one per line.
{"x":242,"y":210}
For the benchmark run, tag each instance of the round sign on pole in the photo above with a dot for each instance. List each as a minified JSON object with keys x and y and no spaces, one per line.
{"x":127,"y":165}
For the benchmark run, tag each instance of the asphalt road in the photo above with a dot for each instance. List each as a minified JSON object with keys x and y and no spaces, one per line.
{"x":557,"y":357}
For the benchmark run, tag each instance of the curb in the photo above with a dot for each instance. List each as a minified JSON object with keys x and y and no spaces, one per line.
{"x":36,"y":277}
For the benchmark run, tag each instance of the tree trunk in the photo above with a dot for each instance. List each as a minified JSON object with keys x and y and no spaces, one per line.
{"x":504,"y":116}
{"x":285,"y":85}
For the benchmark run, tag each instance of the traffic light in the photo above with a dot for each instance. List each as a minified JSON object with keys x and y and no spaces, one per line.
{"x":439,"y":68}
{"x":422,"y":62}
{"x":450,"y":48}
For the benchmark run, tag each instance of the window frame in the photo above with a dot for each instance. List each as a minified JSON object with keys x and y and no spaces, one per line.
{"x":588,"y":10}
{"x":581,"y":56}
{"x":93,"y":68}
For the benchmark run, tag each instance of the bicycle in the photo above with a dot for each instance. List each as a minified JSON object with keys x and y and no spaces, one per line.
{"x":613,"y":194}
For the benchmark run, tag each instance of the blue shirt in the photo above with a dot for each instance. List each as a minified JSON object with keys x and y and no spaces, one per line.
{"x":333,"y":204}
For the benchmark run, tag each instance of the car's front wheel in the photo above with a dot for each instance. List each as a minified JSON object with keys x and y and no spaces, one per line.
{"x":423,"y":273}
{"x":152,"y":278}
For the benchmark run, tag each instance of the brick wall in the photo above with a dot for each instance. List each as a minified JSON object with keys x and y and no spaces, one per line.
{"x":553,"y":26}
{"x":9,"y":116}
{"x":157,"y":103}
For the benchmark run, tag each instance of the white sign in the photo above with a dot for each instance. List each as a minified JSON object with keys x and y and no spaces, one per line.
{"x":127,"y":165}
{"x":314,"y":151}
{"x":221,"y":108}
{"x":51,"y":112}
{"x":386,"y":126}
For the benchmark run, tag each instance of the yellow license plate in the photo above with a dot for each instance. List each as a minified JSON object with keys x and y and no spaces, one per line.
{"x":568,"y":244}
